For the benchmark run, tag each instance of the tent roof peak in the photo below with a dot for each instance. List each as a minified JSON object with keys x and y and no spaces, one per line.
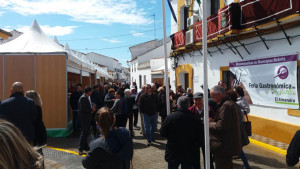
{"x":35,"y":26}
{"x":55,"y":40}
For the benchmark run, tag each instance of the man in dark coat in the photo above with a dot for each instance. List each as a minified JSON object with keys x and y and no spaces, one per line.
{"x":74,"y":98}
{"x":225,"y":135}
{"x":137,"y":102}
{"x":197,"y":110}
{"x":293,"y":151}
{"x":182,"y":131}
{"x":96,"y":99}
{"x":148,"y":107}
{"x":20,"y":111}
{"x":85,"y":116}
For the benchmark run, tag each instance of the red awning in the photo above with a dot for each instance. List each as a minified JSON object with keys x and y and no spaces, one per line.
{"x":257,"y":12}
{"x":178,"y":39}
{"x":212,"y":28}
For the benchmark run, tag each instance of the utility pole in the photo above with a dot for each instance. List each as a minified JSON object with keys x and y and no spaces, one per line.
{"x":205,"y":88}
{"x":166,"y":59}
{"x":154,"y":26}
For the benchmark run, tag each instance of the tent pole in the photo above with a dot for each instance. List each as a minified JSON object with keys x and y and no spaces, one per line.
{"x":34,"y":72}
{"x":3,"y":78}
{"x":66,"y":66}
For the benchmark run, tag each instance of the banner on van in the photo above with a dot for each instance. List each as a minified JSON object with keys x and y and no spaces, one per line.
{"x":268,"y":81}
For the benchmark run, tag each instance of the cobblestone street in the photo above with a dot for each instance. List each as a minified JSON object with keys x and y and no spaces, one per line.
{"x":153,"y":157}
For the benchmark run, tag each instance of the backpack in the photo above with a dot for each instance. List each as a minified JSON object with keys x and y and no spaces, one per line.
{"x":124,"y":108}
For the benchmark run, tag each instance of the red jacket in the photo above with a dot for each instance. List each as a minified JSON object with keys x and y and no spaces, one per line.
{"x":193,"y":109}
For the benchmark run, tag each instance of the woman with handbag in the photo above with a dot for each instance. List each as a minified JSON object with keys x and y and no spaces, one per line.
{"x":244,"y":110}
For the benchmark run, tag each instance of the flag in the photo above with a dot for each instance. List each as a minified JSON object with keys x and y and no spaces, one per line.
{"x":172,"y":11}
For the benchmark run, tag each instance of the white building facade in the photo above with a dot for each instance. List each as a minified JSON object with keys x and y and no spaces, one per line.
{"x":147,"y":64}
{"x":114,"y":67}
{"x":268,"y":39}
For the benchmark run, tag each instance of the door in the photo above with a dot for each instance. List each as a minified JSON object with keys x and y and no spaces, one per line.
{"x":186,"y":81}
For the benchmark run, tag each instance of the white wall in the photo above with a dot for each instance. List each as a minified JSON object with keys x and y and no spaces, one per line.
{"x":133,"y":72}
{"x":101,"y":59}
{"x":142,"y":72}
{"x":155,"y":53}
{"x":231,"y":1}
{"x":174,"y":25}
{"x":257,"y":50}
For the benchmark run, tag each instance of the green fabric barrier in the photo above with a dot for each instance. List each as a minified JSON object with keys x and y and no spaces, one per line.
{"x":61,"y":132}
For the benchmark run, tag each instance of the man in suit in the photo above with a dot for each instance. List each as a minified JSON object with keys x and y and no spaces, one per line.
{"x":20,"y":111}
{"x":85,"y":108}
{"x":74,"y":98}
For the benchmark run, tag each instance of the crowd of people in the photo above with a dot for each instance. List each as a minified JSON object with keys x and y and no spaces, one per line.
{"x":105,"y":110}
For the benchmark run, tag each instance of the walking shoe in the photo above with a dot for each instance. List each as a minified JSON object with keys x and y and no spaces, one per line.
{"x":81,"y":152}
{"x":236,"y":157}
{"x":149,"y":143}
{"x":132,"y":134}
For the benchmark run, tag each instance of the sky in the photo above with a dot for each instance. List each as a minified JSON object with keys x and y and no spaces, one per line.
{"x":108,"y":27}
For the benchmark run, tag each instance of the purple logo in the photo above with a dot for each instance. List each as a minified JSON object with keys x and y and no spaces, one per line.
{"x":282,"y":72}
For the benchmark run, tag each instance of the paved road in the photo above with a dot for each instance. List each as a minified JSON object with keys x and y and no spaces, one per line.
{"x":153,"y":157}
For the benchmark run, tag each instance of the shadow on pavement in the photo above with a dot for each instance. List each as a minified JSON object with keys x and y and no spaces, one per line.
{"x":139,"y":146}
{"x":138,"y":137}
{"x":65,"y":143}
{"x":273,"y":163}
{"x":159,"y":145}
{"x":236,"y":166}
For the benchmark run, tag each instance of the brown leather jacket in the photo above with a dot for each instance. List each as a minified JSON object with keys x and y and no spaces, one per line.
{"x":226,"y":129}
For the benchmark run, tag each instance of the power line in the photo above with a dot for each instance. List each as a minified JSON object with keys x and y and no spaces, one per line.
{"x":246,"y":44}
{"x":111,"y":47}
{"x":115,"y":35}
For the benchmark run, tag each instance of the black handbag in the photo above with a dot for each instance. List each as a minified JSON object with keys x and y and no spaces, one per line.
{"x":247,"y":125}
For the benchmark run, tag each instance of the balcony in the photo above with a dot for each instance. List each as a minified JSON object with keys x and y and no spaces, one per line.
{"x":242,"y":20}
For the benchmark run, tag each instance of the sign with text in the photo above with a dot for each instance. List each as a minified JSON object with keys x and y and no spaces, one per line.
{"x":268,"y":81}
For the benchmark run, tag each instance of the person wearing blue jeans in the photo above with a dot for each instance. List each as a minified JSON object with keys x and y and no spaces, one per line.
{"x":244,"y":159}
{"x":150,"y":122}
{"x":148,"y":107}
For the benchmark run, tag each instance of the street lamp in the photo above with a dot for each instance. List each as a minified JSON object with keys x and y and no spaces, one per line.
{"x":187,"y":3}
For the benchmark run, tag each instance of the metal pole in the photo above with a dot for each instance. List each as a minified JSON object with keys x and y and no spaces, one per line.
{"x":34,"y":72}
{"x":154,"y":28}
{"x":206,"y":115}
{"x":166,"y":59}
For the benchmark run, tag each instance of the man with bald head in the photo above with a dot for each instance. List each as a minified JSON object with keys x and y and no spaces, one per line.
{"x":20,"y":111}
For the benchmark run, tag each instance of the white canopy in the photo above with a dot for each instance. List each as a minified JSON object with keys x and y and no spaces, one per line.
{"x":34,"y":40}
{"x":71,"y":55}
{"x":73,"y":70}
